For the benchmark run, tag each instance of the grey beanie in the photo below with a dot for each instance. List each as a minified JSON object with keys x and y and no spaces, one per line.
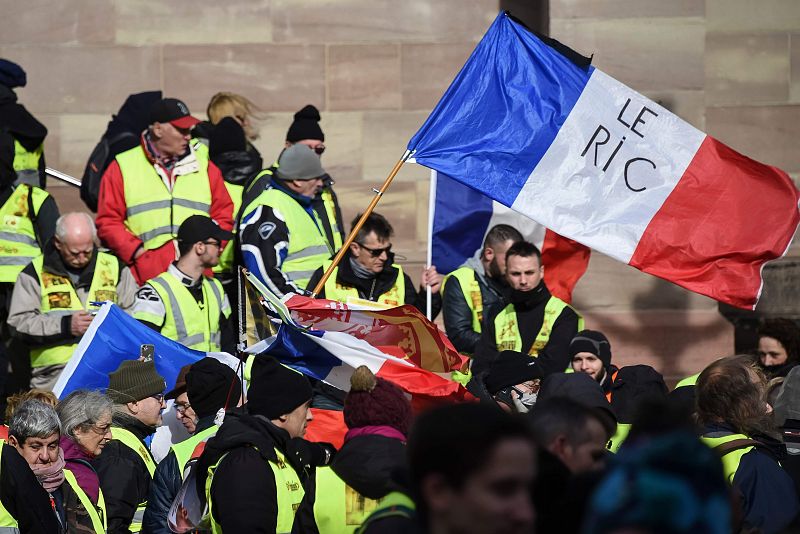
{"x":298,"y":162}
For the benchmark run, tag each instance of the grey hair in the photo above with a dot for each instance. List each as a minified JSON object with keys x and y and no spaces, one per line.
{"x":62,"y":228}
{"x":33,"y":419}
{"x":83,"y":408}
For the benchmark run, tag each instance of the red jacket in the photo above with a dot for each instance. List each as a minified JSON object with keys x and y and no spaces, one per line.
{"x":115,"y":235}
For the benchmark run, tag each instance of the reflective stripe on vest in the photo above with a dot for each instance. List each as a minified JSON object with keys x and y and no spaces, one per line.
{"x":26,"y":164}
{"x":468,"y":280}
{"x":349,"y":295}
{"x":308,"y":246}
{"x":618,"y":438}
{"x":288,"y":489}
{"x":154,"y":213}
{"x":183,"y":450}
{"x":96,"y":513}
{"x":7,"y":522}
{"x":18,"y":244}
{"x":330,"y":212}
{"x":395,"y":504}
{"x":506,"y":330}
{"x":185,"y":321}
{"x":132,"y":442}
{"x":226,"y":257}
{"x":338,"y":508}
{"x":730,"y":461}
{"x":60,"y":298}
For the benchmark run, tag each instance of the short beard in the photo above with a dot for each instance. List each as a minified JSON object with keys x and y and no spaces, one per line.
{"x":494,"y":269}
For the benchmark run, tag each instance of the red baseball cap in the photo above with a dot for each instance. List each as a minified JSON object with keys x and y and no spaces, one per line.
{"x":173,"y":111}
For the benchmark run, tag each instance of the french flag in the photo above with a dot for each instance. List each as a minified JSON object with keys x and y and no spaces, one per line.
{"x":534,"y":126}
{"x":462,"y":217}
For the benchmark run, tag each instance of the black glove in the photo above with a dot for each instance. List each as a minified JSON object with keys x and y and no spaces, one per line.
{"x":307,"y":454}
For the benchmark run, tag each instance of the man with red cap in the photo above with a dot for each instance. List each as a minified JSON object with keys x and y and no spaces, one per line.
{"x":149,"y":190}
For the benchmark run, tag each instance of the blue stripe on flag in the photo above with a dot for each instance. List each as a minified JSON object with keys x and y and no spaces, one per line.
{"x":460,"y":220}
{"x":501,"y":112}
{"x":296,"y":349}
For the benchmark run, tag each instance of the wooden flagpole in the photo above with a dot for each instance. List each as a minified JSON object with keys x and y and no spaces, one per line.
{"x":350,"y":238}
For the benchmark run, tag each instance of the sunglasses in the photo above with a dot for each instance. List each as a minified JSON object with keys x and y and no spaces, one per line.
{"x":375,"y":252}
{"x":319,"y":149}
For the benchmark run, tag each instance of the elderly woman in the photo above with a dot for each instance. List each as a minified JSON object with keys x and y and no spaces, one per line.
{"x":86,"y":428}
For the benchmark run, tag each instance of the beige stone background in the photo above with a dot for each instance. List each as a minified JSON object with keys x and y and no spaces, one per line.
{"x":375,"y":68}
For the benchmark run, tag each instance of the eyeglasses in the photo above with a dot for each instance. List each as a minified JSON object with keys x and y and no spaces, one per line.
{"x":319,"y":149}
{"x":159,"y":397}
{"x":375,"y":252}
{"x":181,"y":407}
{"x":212,"y":243}
{"x":102,"y":430}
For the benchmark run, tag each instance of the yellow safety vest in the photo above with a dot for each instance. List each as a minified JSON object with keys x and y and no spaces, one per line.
{"x":623,"y":429}
{"x":506,"y":330}
{"x":226,"y":258}
{"x":468,"y":280}
{"x":730,"y":461}
{"x":338,"y":508}
{"x":26,"y":164}
{"x":59,"y":298}
{"x":8,"y":524}
{"x":288,"y":488}
{"x":186,"y":321}
{"x":308,"y":246}
{"x":395,"y":504}
{"x":96,"y":513}
{"x":153,"y":213}
{"x":330,"y":212}
{"x":183,"y":450}
{"x":688,"y":381}
{"x":128,"y":439}
{"x":349,"y":295}
{"x":18,"y":243}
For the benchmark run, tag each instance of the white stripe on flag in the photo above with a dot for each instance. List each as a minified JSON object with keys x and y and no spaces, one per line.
{"x":84,"y":343}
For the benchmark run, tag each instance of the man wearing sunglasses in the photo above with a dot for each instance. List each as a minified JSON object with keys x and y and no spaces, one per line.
{"x":367,"y":274}
{"x":183,"y":303}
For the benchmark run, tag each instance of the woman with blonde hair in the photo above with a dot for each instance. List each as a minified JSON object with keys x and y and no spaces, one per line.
{"x":241,"y":108}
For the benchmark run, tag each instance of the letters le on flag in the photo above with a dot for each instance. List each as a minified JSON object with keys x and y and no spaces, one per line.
{"x":535,"y":127}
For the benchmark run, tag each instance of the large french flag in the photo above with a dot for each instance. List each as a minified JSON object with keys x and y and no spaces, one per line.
{"x":535,"y":127}
{"x":462,"y":217}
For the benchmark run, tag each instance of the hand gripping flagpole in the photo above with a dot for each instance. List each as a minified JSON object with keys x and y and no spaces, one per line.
{"x":350,"y":238}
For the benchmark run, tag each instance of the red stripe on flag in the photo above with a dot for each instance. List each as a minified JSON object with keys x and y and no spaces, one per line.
{"x":565,"y":262}
{"x":726,"y":217}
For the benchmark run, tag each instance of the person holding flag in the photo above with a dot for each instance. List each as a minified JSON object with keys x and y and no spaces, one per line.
{"x":533,"y":322}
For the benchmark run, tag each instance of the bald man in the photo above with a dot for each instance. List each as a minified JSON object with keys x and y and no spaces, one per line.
{"x":56,"y":294}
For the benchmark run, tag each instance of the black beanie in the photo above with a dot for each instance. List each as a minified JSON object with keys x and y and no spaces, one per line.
{"x":209,"y":384}
{"x":226,"y":136}
{"x":305,"y":125}
{"x":275,"y":389}
{"x":594,"y":342}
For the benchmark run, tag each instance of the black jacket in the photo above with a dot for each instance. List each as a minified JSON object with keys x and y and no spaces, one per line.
{"x":238,"y":166}
{"x":366,"y":464}
{"x":458,"y":315}
{"x":371,"y":289}
{"x":554,"y":357}
{"x":123,"y":475}
{"x":22,"y":126}
{"x":23,"y":496}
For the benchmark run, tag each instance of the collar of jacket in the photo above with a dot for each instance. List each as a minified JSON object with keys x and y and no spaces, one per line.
{"x":527,"y":300}
{"x":53,"y":263}
{"x":132,"y":425}
{"x":301,"y":199}
{"x":384,"y":279}
{"x":186,"y":163}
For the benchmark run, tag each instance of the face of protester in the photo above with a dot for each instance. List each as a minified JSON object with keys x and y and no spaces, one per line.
{"x":184,"y":413}
{"x":771,"y":351}
{"x":586,"y":362}
{"x":493,"y":500}
{"x":496,"y":255}
{"x":524,"y":274}
{"x":93,"y":437}
{"x":148,"y":410}
{"x":365,"y":252}
{"x":37,"y":451}
{"x":77,"y":247}
{"x":169,"y":140}
{"x":307,"y":188}
{"x":296,"y":421}
{"x":589,"y":455}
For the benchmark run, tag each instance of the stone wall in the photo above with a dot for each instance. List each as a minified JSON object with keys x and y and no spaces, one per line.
{"x":376,"y":67}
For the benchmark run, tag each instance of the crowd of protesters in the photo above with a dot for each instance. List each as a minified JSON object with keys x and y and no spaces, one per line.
{"x":554,"y":437}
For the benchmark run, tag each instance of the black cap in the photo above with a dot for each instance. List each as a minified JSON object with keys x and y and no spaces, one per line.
{"x":275,"y":389}
{"x":210,"y":385}
{"x":305,"y":125}
{"x":173,"y":111}
{"x":11,"y":74}
{"x":199,"y":228}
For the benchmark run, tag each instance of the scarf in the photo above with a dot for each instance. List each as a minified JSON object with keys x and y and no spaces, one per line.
{"x":50,"y":476}
{"x":359,"y":270}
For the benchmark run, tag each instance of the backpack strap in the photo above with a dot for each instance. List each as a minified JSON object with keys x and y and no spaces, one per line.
{"x":730,"y":446}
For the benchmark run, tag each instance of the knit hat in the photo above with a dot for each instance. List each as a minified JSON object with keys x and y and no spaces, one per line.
{"x":210,"y":384}
{"x":594,"y":342}
{"x":509,"y":369}
{"x":305,"y":125}
{"x":299,"y":163}
{"x":227,"y":136}
{"x":180,"y":383}
{"x":582,"y":388}
{"x":133,"y":381}
{"x":11,"y":74}
{"x":275,"y":389}
{"x":374,"y":401}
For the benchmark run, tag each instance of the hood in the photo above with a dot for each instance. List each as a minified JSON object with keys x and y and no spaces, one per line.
{"x":367,"y":463}
{"x":133,"y":116}
{"x":634,"y":385}
{"x":238,"y":166}
{"x":787,"y":404}
{"x":18,"y":121}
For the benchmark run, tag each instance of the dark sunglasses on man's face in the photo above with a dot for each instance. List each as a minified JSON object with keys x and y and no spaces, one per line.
{"x":319,"y":149}
{"x":375,"y":252}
